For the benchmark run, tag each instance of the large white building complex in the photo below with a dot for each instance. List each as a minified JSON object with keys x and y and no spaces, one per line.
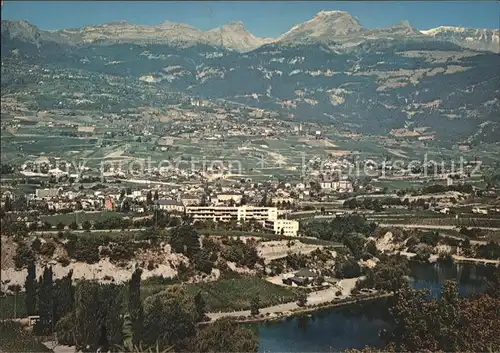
{"x":226,"y":213}
{"x":268,"y":216}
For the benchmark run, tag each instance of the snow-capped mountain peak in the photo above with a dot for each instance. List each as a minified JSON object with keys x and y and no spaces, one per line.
{"x":473,"y":38}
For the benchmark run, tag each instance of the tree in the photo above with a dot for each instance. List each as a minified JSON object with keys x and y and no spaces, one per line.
{"x":149,"y":198}
{"x":225,"y":335}
{"x":24,"y":255}
{"x":203,"y":201}
{"x":125,"y":206}
{"x":244,"y":200}
{"x":423,"y":253}
{"x":192,"y":241}
{"x":493,"y":288}
{"x":33,"y":226}
{"x":112,"y":308}
{"x":371,"y":248}
{"x":199,"y":302}
{"x":45,"y":325}
{"x":170,"y":318}
{"x":96,"y":322}
{"x":302,"y":299}
{"x":64,"y":296}
{"x":20,"y":203}
{"x":202,"y":261}
{"x":388,"y":274}
{"x":355,"y":244}
{"x":450,"y":324}
{"x":86,"y":225}
{"x":264,"y":201}
{"x":184,"y":239}
{"x":348,"y":268}
{"x":377,"y":206}
{"x":254,"y":305}
{"x":8,"y":204}
{"x":36,"y":244}
{"x":30,"y":288}
{"x":128,"y":335}
{"x":135,"y":308}
{"x":46,"y":226}
{"x":15,"y":288}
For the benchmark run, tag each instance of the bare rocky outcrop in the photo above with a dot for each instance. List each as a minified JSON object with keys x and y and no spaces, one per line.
{"x":232,"y":36}
{"x":161,"y":262}
{"x":325,"y":25}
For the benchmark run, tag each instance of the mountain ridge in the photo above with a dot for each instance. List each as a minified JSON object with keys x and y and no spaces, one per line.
{"x":473,"y":38}
{"x":326,"y":26}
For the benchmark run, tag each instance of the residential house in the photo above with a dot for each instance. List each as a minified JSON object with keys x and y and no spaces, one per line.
{"x":109,"y":204}
{"x":279,"y":199}
{"x":301,"y":278}
{"x":47,"y":193}
{"x":228,"y":198}
{"x":190,"y":200}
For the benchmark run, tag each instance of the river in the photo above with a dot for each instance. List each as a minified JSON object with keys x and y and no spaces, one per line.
{"x":356,"y":326}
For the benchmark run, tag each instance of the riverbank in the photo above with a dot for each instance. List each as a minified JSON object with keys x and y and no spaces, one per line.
{"x":309,"y":309}
{"x":344,"y":286}
{"x":357,"y":326}
{"x":471,"y":260}
{"x":338,"y":295}
{"x":456,"y":259}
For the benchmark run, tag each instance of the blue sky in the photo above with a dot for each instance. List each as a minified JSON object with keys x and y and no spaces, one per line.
{"x":263,"y":18}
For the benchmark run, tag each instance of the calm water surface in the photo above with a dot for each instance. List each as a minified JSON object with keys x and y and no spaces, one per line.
{"x":357,"y":326}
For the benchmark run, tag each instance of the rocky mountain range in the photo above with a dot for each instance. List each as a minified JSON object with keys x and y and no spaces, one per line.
{"x":473,"y":38}
{"x":329,"y":69}
{"x":327,"y":26}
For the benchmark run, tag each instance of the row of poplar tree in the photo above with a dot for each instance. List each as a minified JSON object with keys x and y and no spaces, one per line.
{"x":92,"y":315}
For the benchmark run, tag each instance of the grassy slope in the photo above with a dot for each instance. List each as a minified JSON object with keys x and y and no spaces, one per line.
{"x":236,"y":294}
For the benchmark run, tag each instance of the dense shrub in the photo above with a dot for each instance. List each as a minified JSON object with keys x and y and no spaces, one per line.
{"x":36,"y":244}
{"x":445,"y":257}
{"x":47,"y":249}
{"x":339,"y":227}
{"x":24,"y":255}
{"x":84,"y":249}
{"x":488,"y":251}
{"x":430,"y":238}
{"x":348,"y":268}
{"x":243,"y":254}
{"x":64,"y":261}
{"x":412,"y":241}
{"x":121,"y":252}
{"x":423,"y":253}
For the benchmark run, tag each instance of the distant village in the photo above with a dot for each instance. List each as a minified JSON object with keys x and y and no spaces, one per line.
{"x":201,"y":197}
